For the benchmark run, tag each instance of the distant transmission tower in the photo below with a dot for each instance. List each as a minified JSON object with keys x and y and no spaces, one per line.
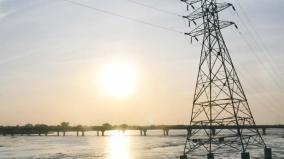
{"x":220,"y":108}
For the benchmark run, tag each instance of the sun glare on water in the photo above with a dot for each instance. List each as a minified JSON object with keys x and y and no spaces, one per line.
{"x":119,"y":146}
{"x":118,"y":79}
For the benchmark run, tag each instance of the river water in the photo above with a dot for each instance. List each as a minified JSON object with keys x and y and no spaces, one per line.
{"x":115,"y":145}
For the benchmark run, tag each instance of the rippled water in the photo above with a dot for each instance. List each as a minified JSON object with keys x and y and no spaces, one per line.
{"x":116,"y":146}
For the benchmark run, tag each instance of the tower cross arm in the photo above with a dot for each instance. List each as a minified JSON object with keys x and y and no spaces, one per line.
{"x":199,"y":13}
{"x":190,"y":2}
{"x":201,"y":31}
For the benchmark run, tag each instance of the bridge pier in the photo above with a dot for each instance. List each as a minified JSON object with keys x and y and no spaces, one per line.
{"x":64,"y":133}
{"x":263,"y":131}
{"x":46,"y":132}
{"x":103,"y":132}
{"x":166,"y":132}
{"x":58,"y":133}
{"x":145,"y":132}
{"x":77,"y":132}
{"x":39,"y":133}
{"x":83,"y":133}
{"x":98,"y":133}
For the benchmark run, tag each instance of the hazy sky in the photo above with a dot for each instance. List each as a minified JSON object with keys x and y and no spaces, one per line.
{"x":51,"y":53}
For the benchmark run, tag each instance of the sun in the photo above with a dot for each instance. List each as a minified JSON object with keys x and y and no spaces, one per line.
{"x":118,"y":79}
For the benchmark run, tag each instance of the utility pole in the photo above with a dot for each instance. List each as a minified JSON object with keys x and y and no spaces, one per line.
{"x":219,"y":99}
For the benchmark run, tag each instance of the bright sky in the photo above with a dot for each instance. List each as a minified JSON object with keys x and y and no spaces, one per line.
{"x":52,"y":54}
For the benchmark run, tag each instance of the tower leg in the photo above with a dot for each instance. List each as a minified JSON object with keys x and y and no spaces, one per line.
{"x":245,"y":155}
{"x":210,"y":156}
{"x":183,"y":157}
{"x":267,"y":153}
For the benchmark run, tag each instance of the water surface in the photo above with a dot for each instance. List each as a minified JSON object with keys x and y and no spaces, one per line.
{"x":115,"y":145}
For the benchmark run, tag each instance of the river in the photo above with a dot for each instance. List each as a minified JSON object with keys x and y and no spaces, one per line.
{"x":115,"y":145}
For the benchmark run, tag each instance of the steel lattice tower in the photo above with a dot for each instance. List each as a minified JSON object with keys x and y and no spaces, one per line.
{"x":219,"y":99}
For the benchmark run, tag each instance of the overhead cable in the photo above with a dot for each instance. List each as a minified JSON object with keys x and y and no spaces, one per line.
{"x":154,"y":8}
{"x":122,"y":16}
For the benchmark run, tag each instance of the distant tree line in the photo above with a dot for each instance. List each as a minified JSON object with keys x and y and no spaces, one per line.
{"x":62,"y":127}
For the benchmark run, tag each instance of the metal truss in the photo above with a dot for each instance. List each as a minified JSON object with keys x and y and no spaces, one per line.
{"x":219,"y":99}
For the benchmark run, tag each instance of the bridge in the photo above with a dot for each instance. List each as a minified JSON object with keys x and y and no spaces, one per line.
{"x":80,"y":130}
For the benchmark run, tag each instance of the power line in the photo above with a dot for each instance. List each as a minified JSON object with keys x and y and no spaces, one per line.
{"x":265,"y":97}
{"x":275,"y":74}
{"x":276,"y":79}
{"x":122,"y":16}
{"x":154,"y":8}
{"x":258,"y":39}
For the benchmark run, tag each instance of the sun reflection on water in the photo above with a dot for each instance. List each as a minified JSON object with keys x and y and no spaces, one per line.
{"x":119,"y":146}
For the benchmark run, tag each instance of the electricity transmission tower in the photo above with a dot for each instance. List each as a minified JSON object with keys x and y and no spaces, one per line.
{"x":220,"y":107}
